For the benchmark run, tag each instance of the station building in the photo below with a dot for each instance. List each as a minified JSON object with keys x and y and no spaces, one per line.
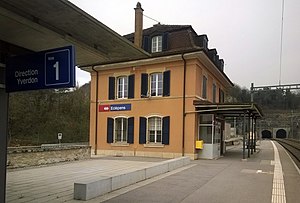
{"x":147,"y":106}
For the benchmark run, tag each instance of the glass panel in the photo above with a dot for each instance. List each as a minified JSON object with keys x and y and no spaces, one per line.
{"x":153,"y":84}
{"x":121,"y":129}
{"x":122,"y":87}
{"x":155,"y":129}
{"x":125,"y":89}
{"x":151,"y":136}
{"x":160,"y":84}
{"x":205,"y":134}
{"x":206,"y":119}
{"x":217,"y":133}
{"x":124,"y":132}
{"x":156,"y":84}
{"x":118,"y":129}
{"x":154,"y":44}
{"x":159,"y":43}
{"x":158,"y":136}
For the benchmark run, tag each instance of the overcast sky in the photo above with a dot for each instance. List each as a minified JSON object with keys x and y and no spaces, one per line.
{"x":246,"y":33}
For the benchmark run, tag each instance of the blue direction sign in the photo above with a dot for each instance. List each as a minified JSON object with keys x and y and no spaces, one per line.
{"x":53,"y":68}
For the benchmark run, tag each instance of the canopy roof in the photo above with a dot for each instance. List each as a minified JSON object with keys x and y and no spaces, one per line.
{"x":40,"y":25}
{"x":229,"y":109}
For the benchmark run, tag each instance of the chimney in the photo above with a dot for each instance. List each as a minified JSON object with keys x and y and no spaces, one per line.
{"x":138,"y":31}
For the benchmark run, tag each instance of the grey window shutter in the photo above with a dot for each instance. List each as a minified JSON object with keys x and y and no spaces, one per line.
{"x":130,"y":137}
{"x":166,"y":83}
{"x":143,"y":130}
{"x":166,"y":130}
{"x":111,"y":88}
{"x":165,"y":41}
{"x":110,"y":130}
{"x":144,"y":85}
{"x":130,"y":86}
{"x":147,"y":44}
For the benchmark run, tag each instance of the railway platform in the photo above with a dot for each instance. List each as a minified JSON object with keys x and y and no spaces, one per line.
{"x":269,"y":175}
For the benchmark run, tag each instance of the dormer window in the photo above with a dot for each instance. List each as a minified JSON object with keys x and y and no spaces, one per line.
{"x":156,"y":44}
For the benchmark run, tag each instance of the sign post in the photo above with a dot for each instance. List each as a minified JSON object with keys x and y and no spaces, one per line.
{"x":59,"y":137}
{"x":53,"y":68}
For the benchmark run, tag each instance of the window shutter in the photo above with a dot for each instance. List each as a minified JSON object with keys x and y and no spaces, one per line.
{"x":130,"y":86}
{"x":166,"y":130}
{"x":147,"y":44}
{"x":144,"y":85}
{"x":111,"y":88}
{"x":165,"y":42}
{"x":143,"y":130}
{"x":166,"y":83}
{"x":130,"y":137}
{"x":110,"y":130}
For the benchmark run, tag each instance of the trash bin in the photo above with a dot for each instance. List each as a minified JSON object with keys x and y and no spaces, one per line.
{"x":199,"y":144}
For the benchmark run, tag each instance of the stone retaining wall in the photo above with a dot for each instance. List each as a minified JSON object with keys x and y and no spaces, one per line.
{"x":34,"y":156}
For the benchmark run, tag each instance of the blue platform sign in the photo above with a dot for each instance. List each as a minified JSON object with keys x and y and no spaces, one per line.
{"x":53,"y":68}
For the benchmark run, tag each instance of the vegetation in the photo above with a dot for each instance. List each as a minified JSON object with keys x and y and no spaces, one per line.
{"x":268,"y":99}
{"x":281,"y":108}
{"x":35,"y":117}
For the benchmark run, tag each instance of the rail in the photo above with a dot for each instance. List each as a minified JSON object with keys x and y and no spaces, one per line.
{"x":293,"y":147}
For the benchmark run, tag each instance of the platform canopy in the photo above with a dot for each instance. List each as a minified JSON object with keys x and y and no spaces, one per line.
{"x":229,"y":109}
{"x":38,"y":25}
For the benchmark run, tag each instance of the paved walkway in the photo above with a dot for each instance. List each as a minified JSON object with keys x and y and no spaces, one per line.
{"x":56,"y":183}
{"x":228,"y":179}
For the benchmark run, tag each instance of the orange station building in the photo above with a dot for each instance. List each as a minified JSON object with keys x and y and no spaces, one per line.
{"x":146,"y":106}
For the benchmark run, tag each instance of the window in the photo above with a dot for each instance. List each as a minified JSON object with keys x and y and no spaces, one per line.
{"x":221,"y":96}
{"x":154,"y":130}
{"x":122,"y":84}
{"x":120,"y":130}
{"x":125,"y":87}
{"x":206,"y":128}
{"x":121,"y":127}
{"x":159,"y":84}
{"x":156,"y":84}
{"x":214,"y":93}
{"x":204,"y":89}
{"x":157,"y":44}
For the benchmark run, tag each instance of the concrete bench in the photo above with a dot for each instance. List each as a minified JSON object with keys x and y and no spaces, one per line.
{"x":91,"y":188}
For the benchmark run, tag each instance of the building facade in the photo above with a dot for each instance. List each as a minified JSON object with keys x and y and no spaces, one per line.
{"x":145,"y":107}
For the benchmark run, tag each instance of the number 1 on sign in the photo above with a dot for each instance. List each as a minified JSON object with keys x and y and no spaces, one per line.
{"x":56,"y":66}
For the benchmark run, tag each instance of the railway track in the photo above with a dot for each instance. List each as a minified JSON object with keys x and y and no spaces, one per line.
{"x":293,"y":148}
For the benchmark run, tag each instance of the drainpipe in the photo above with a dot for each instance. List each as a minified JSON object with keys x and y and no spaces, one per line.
{"x":183,"y":103}
{"x":96,"y":103}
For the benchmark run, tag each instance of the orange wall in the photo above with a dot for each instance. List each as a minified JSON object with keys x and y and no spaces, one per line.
{"x":161,"y":106}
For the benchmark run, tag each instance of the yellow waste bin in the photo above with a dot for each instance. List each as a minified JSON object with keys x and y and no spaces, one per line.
{"x":199,"y":144}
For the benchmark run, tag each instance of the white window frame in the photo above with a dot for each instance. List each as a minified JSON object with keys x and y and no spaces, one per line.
{"x":122,"y":87}
{"x":158,"y":87}
{"x":156,"y":129}
{"x":156,"y":44}
{"x":124,"y":133}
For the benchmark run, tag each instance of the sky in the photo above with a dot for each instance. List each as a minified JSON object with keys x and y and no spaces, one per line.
{"x":246,"y":33}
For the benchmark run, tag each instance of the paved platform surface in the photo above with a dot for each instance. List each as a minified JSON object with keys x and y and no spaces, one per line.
{"x":228,"y":179}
